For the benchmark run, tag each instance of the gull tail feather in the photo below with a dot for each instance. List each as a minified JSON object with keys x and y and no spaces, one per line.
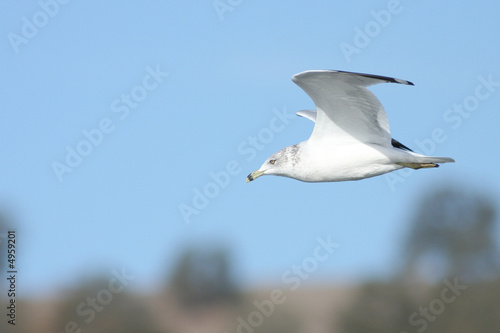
{"x":426,"y":162}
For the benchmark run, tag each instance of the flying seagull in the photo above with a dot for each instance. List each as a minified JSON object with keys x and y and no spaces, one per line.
{"x":351,"y":139}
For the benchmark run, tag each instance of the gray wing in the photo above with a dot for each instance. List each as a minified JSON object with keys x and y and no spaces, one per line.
{"x":346,"y":109}
{"x":311,"y":115}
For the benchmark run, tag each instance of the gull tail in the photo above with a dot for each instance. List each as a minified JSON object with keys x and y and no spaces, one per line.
{"x":426,"y":162}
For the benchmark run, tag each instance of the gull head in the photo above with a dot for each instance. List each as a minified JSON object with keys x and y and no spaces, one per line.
{"x":281,"y":163}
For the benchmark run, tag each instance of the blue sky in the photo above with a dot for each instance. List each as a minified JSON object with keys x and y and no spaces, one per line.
{"x":160,"y":96}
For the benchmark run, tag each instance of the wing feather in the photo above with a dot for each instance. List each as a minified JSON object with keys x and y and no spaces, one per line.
{"x":346,"y":109}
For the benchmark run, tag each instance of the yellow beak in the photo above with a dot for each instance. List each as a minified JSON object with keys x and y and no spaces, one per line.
{"x":254,"y":175}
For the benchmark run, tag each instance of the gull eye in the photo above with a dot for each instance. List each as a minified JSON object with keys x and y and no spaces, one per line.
{"x":272,"y":161}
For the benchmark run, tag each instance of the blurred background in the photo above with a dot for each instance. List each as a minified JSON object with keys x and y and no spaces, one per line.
{"x":128,"y":129}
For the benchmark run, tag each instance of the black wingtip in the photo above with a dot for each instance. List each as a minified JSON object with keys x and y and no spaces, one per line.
{"x":399,"y":145}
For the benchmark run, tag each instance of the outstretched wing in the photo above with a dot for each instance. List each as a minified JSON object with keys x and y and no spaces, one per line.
{"x":311,"y":115}
{"x":346,"y":110}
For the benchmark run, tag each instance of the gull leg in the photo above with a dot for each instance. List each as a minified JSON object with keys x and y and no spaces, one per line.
{"x":416,"y":166}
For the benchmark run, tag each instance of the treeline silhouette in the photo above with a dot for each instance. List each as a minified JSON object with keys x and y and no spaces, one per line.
{"x":447,"y":280}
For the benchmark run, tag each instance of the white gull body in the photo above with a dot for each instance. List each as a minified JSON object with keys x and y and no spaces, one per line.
{"x":351,"y":138}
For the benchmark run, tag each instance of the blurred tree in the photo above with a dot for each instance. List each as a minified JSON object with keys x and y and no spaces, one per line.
{"x":477,"y":309}
{"x":90,"y":309}
{"x":203,"y":277}
{"x":452,"y":234}
{"x":451,"y":238}
{"x":282,"y":319}
{"x":379,"y":308}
